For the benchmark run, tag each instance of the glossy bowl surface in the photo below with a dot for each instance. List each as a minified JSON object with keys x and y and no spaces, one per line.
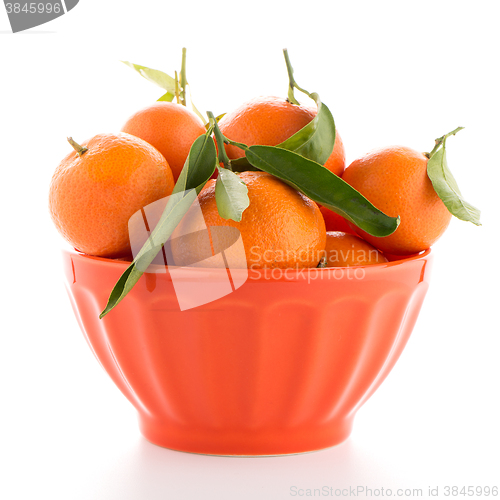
{"x":279,"y":366}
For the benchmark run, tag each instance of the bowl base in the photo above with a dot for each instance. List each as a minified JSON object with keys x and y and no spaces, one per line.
{"x":248,"y":442}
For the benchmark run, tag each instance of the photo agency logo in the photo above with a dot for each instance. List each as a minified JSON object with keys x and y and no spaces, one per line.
{"x":26,"y":15}
{"x":192,"y":245}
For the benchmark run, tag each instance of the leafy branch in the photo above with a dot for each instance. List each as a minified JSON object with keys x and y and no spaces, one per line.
{"x":175,"y":87}
{"x":445,"y":184}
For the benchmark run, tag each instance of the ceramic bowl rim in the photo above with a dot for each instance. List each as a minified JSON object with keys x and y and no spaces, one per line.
{"x":268,"y":274}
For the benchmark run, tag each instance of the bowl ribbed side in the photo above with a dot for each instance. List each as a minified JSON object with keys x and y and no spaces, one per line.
{"x":275,"y":362}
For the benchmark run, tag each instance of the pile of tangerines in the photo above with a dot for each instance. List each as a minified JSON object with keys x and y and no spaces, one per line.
{"x":104,"y":181}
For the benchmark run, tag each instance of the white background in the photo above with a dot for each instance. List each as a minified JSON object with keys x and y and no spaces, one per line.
{"x":392,"y":73}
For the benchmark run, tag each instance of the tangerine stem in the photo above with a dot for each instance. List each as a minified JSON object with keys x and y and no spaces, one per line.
{"x":219,"y":138}
{"x":176,"y":88}
{"x":183,"y":80}
{"x":80,"y":150}
{"x":322,"y":263}
{"x":442,"y":141}
{"x":291,"y":81}
{"x":237,"y":144}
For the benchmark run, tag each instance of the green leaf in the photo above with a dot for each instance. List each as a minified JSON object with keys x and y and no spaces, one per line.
{"x":217,"y":119}
{"x":447,"y":189}
{"x":316,"y":140}
{"x":243,"y":165}
{"x":168,"y":97}
{"x":199,"y":167}
{"x":199,"y":114}
{"x":155,"y":76}
{"x":322,"y":186}
{"x":164,"y":81}
{"x":231,"y":195}
{"x":200,"y":164}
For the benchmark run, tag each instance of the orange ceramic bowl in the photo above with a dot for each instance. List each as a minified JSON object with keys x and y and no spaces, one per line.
{"x":279,"y":366}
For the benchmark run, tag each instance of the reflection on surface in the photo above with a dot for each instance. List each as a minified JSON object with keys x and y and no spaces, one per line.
{"x":155,"y":473}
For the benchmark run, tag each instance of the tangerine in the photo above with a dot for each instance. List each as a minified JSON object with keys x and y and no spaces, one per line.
{"x":281,"y":228}
{"x":269,"y":121}
{"x":171,"y":128}
{"x":395,"y":180}
{"x":97,"y":188}
{"x":344,"y":250}
{"x":335,"y":222}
